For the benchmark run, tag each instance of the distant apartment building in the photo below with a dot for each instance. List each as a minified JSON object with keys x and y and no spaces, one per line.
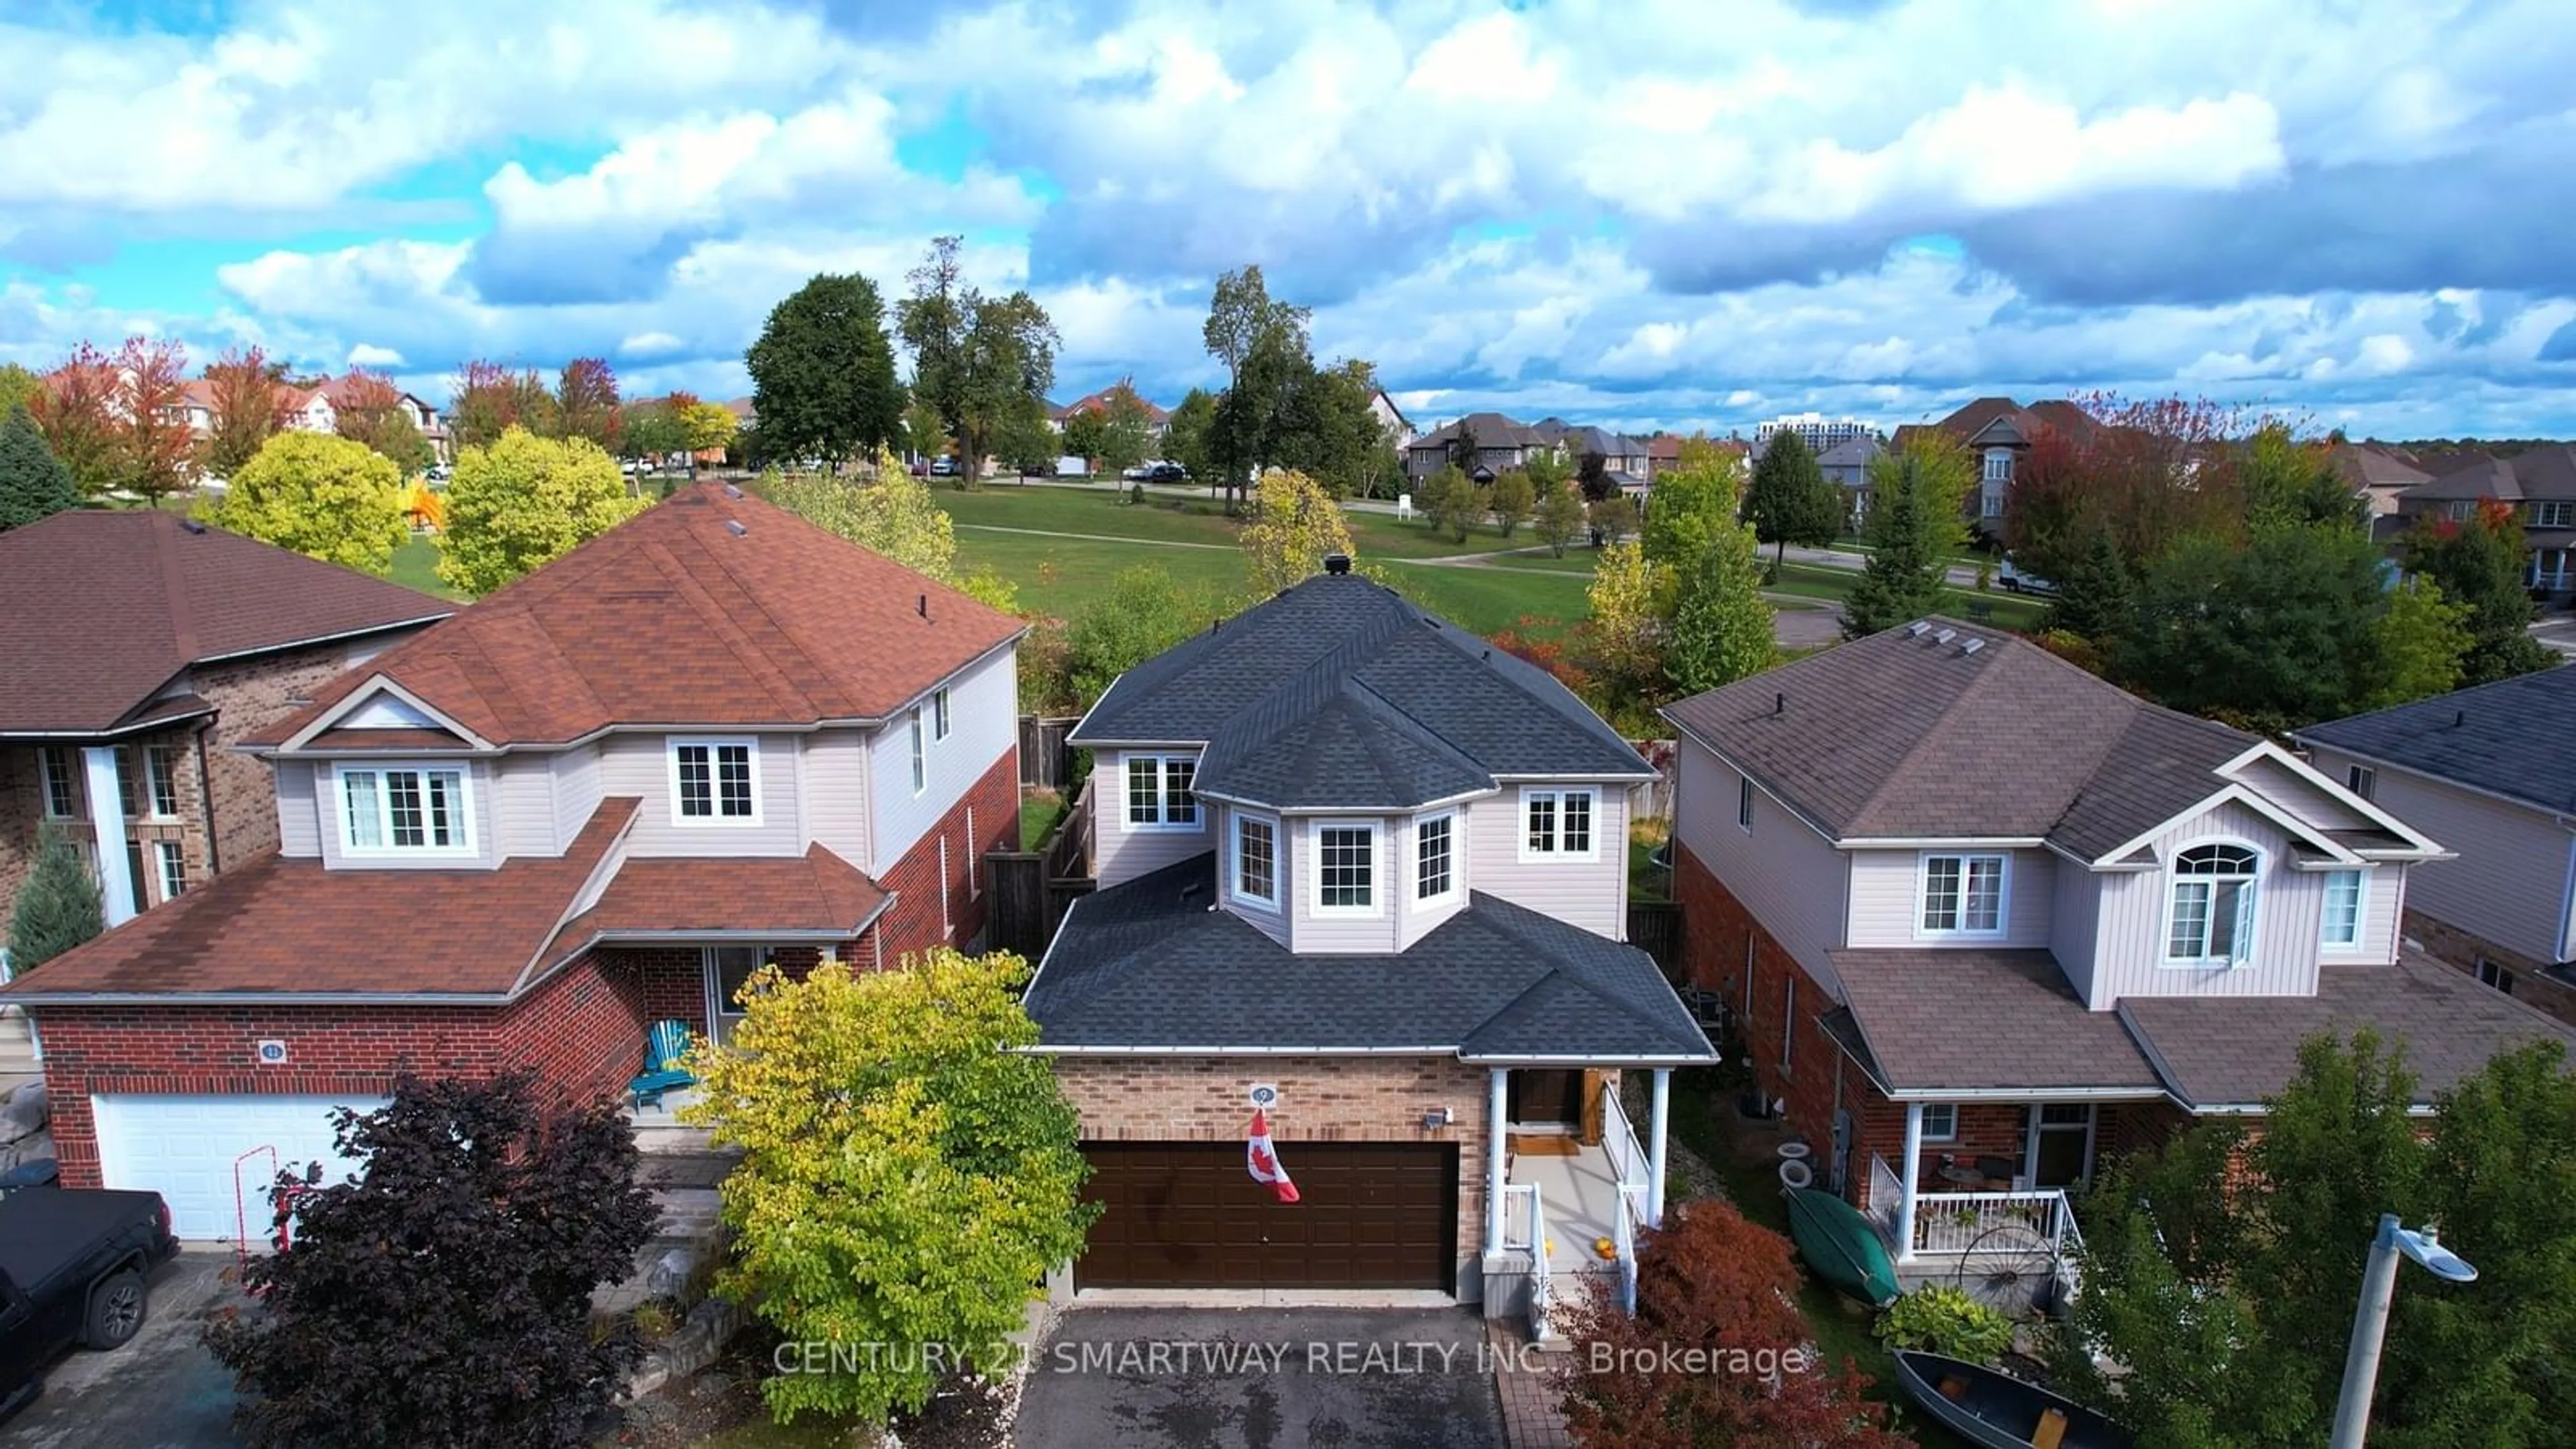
{"x":1816,"y":430}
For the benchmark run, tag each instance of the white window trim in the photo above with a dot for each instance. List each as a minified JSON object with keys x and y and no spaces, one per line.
{"x":1952,"y":1135}
{"x":1376,"y":908}
{"x":471,"y":844}
{"x":1744,"y":804}
{"x":150,"y":798}
{"x":920,"y":753}
{"x":1234,"y":861}
{"x":1520,"y":824}
{"x":1162,"y":823}
{"x":2360,"y":915}
{"x":940,"y":720}
{"x":1457,"y":860}
{"x":45,"y":781}
{"x":671,"y":758}
{"x":1923,"y":894}
{"x":2361,"y":780}
{"x":2174,"y":880}
{"x":165,"y":854}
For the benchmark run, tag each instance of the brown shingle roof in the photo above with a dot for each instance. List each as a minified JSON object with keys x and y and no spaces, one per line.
{"x":2233,"y":1051}
{"x":2546,"y":473}
{"x":675,"y":618}
{"x":1984,"y":1020}
{"x":280,"y":926}
{"x":815,"y":894}
{"x":1902,"y":735}
{"x":100,"y":608}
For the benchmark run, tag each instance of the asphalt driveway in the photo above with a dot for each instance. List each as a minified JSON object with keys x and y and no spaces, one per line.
{"x":162,"y":1390}
{"x":1261,"y":1378}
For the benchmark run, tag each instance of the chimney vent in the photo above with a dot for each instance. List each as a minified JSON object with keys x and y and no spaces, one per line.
{"x":1915,"y":630}
{"x":732,"y":491}
{"x":1971,"y":646}
{"x":1945,"y":636}
{"x":192,"y":525}
{"x":1337,"y":564}
{"x":734,"y":527}
{"x":924,"y":606}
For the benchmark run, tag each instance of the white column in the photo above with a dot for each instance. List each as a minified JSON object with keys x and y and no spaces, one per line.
{"x":1912,"y":1168}
{"x":1494,"y":1131}
{"x":1655,"y":1152}
{"x":107,"y":825}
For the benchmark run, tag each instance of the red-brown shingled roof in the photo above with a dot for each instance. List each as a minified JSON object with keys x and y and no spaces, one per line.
{"x":814,"y":894}
{"x":675,"y":618}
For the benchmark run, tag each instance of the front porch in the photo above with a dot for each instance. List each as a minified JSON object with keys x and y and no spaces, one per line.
{"x":1568,"y":1198}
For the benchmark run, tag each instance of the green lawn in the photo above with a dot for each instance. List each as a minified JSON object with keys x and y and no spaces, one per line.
{"x":1815,"y":581}
{"x":1039,"y":811}
{"x":416,"y":566}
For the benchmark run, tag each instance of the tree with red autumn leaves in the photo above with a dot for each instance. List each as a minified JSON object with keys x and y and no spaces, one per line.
{"x":2152,"y":471}
{"x":1715,"y":1295}
{"x":586,"y":402}
{"x":116,"y":420}
{"x":247,"y":406}
{"x":490,"y":399}
{"x":76,"y":411}
{"x":367,"y":408}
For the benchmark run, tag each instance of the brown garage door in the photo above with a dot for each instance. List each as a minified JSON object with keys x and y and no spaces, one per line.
{"x":1187,"y":1215}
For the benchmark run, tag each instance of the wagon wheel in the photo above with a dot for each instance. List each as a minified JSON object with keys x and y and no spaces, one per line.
{"x":2008,"y":1268}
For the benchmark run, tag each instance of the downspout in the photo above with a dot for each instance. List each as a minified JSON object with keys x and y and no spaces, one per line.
{"x":206,"y":802}
{"x":2566,"y":901}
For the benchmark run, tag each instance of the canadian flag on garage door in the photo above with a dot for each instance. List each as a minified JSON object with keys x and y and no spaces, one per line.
{"x":1263,"y":1160}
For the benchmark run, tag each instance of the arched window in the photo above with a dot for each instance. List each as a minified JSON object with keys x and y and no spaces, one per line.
{"x":2212,"y":919}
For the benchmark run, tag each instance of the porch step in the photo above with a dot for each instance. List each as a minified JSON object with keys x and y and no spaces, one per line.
{"x":689,"y":1169}
{"x":665,"y":1138}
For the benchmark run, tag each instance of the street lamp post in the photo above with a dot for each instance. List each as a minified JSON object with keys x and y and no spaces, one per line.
{"x":2370,"y":1320}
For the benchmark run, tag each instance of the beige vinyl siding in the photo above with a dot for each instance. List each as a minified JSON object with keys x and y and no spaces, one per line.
{"x":1119,"y":853}
{"x":2288,"y":910}
{"x":1589,"y":894}
{"x":523,"y":807}
{"x":834,"y":778}
{"x":1886,"y":894}
{"x":2075,"y":919}
{"x":2510,"y":882}
{"x":1791,"y":878}
{"x":2302,"y":798}
{"x":1414,"y":920}
{"x":984,"y":729}
{"x":299,"y":815}
{"x":2383,"y":904}
{"x":577,"y":792}
{"x":1338,"y":933}
{"x":1271,"y":923}
{"x":640,"y":765}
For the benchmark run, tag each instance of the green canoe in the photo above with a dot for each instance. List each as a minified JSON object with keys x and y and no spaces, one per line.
{"x":1842,"y":1246}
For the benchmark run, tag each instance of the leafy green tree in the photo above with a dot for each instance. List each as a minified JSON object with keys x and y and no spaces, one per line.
{"x":2288,"y":483}
{"x":1914,"y":528}
{"x":1189,"y":438}
{"x":892,"y":514}
{"x":1448,"y":502}
{"x":19,"y":387}
{"x":324,"y":497}
{"x":2221,"y":1271}
{"x":1558,"y":520}
{"x":1126,"y":429}
{"x":1696,"y":503}
{"x":371,"y":412}
{"x":33,"y":482}
{"x":2095,"y":595}
{"x":982,"y":362}
{"x":59,"y":906}
{"x":822,"y":373}
{"x":1023,"y":442}
{"x":1511,"y":500}
{"x":525,"y":501}
{"x":586,"y":402}
{"x":1790,"y":500}
{"x":908,"y":1176}
{"x":452,"y":1276}
{"x":653,"y":430}
{"x":923,"y":433}
{"x":2479,"y":563}
{"x":2420,"y":641}
{"x":1295,"y":525}
{"x":2271,"y":635}
{"x":1612,"y":518}
{"x":1263,"y":344}
{"x":1547,"y":469}
{"x":1144,"y":612}
{"x":1084,"y":437}
{"x":490,"y":399}
{"x":1722,"y":627}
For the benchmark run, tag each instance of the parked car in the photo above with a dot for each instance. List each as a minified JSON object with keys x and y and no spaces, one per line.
{"x":2019,"y":582}
{"x":72,"y":1270}
{"x":1167,"y":473}
{"x":1037,"y":470}
{"x":1137,"y":473}
{"x":943,"y":467}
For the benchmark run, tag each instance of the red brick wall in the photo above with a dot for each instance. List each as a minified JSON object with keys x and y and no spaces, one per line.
{"x":1715,"y":928}
{"x":582,"y":1029}
{"x":914,"y":922}
{"x":249,"y":695}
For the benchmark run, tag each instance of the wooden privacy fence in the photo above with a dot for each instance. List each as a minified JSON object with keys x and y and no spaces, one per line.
{"x":1046,"y":760}
{"x":1655,"y":927}
{"x":1032,"y":889}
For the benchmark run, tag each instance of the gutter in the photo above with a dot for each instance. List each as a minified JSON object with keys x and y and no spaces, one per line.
{"x":112,"y":732}
{"x":328,"y":638}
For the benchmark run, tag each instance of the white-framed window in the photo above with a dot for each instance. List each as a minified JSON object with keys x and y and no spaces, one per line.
{"x":939,"y":713}
{"x":1345,"y":868}
{"x":60,"y":765}
{"x":2459,"y":510}
{"x":1998,"y":465}
{"x":2491,"y":974}
{"x":2342,"y":928}
{"x":1744,"y":803}
{"x":2553,"y":515}
{"x":1962,"y":895}
{"x":1560,"y":824}
{"x":1435,"y":857}
{"x":1159,"y":793}
{"x":2210,"y":921}
{"x":920,"y":754}
{"x":1940,"y":1121}
{"x":1255,"y":871}
{"x":715,"y":782}
{"x":161,"y":781}
{"x":2361,"y":780}
{"x":172,"y":857}
{"x":406,"y":810}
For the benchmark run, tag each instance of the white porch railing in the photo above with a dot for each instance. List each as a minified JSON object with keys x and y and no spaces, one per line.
{"x":1525,"y":1230}
{"x":1630,"y":1168}
{"x":1886,"y":1193}
{"x":1952,"y":1222}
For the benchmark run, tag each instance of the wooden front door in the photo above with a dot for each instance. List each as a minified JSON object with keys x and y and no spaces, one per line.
{"x":1187,"y":1215}
{"x":1544,"y":1098}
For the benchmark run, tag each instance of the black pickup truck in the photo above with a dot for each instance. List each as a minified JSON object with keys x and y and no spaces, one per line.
{"x":72,"y":1265}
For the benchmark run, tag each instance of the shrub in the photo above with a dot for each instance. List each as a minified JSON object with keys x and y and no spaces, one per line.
{"x":1937,"y":1318}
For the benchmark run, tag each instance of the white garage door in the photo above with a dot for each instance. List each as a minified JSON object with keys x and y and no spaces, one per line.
{"x":187,"y":1149}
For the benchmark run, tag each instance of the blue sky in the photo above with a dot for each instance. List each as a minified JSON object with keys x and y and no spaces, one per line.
{"x":1650,"y":213}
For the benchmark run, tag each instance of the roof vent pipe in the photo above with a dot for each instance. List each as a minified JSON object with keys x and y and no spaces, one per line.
{"x":2459,"y":718}
{"x":734,"y":527}
{"x":733,"y":490}
{"x":1337,"y":564}
{"x":924,"y":606}
{"x":1779,"y":704}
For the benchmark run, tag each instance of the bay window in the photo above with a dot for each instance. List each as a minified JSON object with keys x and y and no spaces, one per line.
{"x":1345,"y":854}
{"x":1256,"y":861}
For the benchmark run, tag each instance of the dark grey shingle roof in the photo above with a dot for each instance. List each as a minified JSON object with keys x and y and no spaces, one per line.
{"x":2236,"y":1050}
{"x":2509,"y":737}
{"x":1148,"y":964}
{"x":1970,"y":1020}
{"x":1339,"y":693}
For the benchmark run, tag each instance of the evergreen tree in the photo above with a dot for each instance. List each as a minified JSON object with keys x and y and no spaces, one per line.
{"x":58,"y":907}
{"x":33,"y":482}
{"x":2095,"y":598}
{"x":1914,"y":525}
{"x":1790,"y":500}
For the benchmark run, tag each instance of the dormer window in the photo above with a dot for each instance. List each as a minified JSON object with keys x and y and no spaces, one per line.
{"x":1158,"y":792}
{"x":1963,"y":895}
{"x":1557,"y":825}
{"x":715,"y":782}
{"x":406,"y":811}
{"x":2211,"y":920}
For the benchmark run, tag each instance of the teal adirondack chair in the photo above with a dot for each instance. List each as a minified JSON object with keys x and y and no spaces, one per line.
{"x":664,"y":1045}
